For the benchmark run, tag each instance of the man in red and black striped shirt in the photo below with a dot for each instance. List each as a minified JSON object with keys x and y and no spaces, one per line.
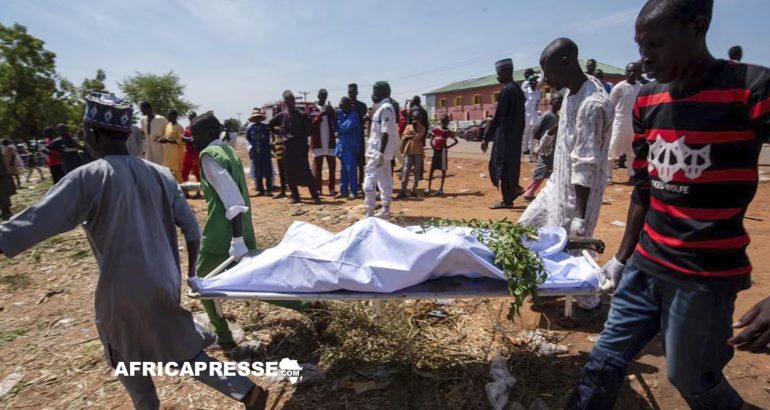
{"x":698,"y":133}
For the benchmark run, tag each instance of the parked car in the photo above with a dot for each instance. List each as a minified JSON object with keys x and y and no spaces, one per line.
{"x":474,"y":132}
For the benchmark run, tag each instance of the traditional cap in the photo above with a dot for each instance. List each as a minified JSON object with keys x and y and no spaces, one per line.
{"x":352,"y":87}
{"x":207,"y":121}
{"x":106,"y":111}
{"x":256,"y":114}
{"x":504,"y":63}
{"x":382,"y":86}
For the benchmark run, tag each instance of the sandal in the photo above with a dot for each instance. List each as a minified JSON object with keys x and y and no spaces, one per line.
{"x":501,"y":205}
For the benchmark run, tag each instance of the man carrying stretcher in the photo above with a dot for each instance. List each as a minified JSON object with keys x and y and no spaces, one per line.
{"x":228,"y":231}
{"x":132,"y":229}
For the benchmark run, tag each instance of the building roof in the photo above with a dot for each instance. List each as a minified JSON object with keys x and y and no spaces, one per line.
{"x":518,"y":75}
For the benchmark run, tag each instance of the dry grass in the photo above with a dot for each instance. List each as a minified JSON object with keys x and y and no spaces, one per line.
{"x":408,"y":358}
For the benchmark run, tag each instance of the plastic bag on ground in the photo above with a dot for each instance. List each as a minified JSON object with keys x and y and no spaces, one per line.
{"x":499,"y":388}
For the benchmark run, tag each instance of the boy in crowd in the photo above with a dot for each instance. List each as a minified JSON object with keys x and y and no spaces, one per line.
{"x":413,"y":148}
{"x":544,"y":136}
{"x":439,"y":139}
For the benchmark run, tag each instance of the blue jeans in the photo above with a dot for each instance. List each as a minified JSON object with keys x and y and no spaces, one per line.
{"x":348,"y":174}
{"x":695,"y":323}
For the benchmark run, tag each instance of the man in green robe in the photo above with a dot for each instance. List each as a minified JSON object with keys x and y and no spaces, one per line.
{"x":228,"y":231}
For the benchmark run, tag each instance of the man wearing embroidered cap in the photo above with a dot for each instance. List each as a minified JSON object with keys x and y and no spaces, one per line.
{"x":132,"y":229}
{"x":506,"y":130}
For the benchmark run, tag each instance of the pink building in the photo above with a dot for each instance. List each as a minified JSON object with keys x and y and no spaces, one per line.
{"x":476,"y":99}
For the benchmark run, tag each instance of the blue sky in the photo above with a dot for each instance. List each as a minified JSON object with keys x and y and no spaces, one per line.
{"x":237,"y":54}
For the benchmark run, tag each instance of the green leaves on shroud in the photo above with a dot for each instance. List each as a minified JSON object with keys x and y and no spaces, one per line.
{"x":522,"y":267}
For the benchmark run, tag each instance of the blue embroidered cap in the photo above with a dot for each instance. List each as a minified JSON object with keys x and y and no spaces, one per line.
{"x":108,"y":112}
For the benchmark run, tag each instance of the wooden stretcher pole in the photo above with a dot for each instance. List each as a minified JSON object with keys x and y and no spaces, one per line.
{"x":219,"y":269}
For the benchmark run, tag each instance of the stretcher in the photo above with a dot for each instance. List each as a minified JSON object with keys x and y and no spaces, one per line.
{"x":454,"y":287}
{"x":189,"y":188}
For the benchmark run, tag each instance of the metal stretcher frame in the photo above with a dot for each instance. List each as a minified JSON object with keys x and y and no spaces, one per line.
{"x":456,"y":287}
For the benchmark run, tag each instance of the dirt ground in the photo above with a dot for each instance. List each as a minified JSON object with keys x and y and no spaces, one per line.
{"x":407,"y":360}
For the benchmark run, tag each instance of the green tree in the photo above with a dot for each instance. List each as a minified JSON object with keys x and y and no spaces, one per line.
{"x":232,"y":125}
{"x":93,"y":84}
{"x":28,"y":83}
{"x":66,"y":106}
{"x":165,"y":92}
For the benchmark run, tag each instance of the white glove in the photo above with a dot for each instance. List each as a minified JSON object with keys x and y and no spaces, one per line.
{"x":238,"y":248}
{"x":613,"y":270}
{"x":577,"y":227}
{"x":193,"y":283}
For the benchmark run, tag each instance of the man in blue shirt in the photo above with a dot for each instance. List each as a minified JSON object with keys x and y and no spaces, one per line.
{"x":348,"y":127}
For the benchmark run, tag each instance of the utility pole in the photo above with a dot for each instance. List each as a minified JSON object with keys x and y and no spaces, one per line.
{"x":239,"y":117}
{"x":304,"y":95}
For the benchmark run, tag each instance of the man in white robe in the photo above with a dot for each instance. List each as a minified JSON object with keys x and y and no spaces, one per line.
{"x":154,"y":127}
{"x":322,"y":141}
{"x":531,"y":88}
{"x":572,"y":197}
{"x":623,"y":97}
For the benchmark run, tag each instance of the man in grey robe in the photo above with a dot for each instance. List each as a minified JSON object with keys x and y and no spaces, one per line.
{"x":132,"y":231}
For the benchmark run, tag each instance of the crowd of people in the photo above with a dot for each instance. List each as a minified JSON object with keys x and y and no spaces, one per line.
{"x":691,"y":140}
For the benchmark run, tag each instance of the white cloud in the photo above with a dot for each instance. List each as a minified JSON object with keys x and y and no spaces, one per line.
{"x":604,"y":21}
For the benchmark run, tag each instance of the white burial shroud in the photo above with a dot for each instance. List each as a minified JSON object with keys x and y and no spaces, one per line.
{"x":373,"y":255}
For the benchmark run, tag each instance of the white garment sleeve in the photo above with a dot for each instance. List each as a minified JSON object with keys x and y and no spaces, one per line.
{"x":225,"y":186}
{"x":586,"y":154}
{"x":616,"y":95}
{"x":387,"y":121}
